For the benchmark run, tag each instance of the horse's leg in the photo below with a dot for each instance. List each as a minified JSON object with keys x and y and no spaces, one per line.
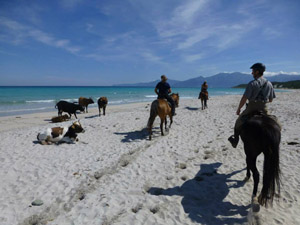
{"x":161,"y":126}
{"x":166,"y":123}
{"x":248,"y":174}
{"x":202,"y":104}
{"x":171,"y":120}
{"x":251,"y":164}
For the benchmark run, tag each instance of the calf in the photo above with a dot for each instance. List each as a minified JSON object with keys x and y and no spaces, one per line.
{"x":102,"y":102}
{"x":68,"y":107}
{"x":84,"y":102}
{"x":57,"y":119}
{"x":60,"y":134}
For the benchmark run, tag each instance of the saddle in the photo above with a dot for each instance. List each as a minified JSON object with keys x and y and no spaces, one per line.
{"x":259,"y":114}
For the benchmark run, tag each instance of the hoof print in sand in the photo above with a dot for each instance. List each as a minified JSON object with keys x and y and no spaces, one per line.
{"x":137,"y":208}
{"x":154,"y":209}
{"x":184,"y":178}
{"x":124,"y":162}
{"x":169,"y":177}
{"x":98,"y":175}
{"x":181,"y":166}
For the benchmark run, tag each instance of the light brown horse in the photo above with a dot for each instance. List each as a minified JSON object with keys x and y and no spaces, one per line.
{"x":203,"y":96}
{"x":161,"y":108}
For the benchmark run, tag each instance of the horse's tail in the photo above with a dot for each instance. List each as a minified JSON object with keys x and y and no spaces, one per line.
{"x":271,"y":173}
{"x":153,"y":114}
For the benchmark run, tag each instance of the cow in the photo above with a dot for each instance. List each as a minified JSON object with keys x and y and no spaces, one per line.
{"x":57,"y":119}
{"x":60,"y":134}
{"x":84,"y":102}
{"x":68,"y":107}
{"x":102,"y":102}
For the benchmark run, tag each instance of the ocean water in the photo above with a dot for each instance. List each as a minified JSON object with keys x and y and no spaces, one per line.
{"x":24,"y":100}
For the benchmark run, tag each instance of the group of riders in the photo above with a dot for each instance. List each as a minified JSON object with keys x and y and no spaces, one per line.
{"x":258,"y":92}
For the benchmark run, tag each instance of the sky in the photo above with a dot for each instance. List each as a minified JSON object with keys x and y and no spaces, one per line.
{"x":108,"y":42}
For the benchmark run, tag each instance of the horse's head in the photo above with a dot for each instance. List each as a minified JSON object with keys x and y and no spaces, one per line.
{"x":175,"y":98}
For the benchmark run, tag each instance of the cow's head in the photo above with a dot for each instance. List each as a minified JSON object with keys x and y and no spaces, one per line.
{"x":77,"y":127}
{"x":80,"y":108}
{"x":90,"y":100}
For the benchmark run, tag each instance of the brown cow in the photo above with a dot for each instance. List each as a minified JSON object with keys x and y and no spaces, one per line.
{"x":57,"y":119}
{"x":102,"y":102}
{"x":84,"y":102}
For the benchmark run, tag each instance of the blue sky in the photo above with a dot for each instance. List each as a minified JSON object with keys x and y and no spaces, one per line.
{"x":88,"y":42}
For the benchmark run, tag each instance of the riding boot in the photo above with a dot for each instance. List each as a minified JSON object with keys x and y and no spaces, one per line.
{"x":234,"y":139}
{"x":173,"y":111}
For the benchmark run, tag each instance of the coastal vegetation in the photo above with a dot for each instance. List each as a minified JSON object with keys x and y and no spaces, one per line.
{"x":295,"y":84}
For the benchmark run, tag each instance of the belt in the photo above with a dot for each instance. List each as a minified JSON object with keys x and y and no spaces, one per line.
{"x":262,"y":101}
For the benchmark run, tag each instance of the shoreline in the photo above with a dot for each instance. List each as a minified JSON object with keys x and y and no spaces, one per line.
{"x":8,"y":123}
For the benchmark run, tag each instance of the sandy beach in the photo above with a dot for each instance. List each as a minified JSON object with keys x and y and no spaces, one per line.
{"x":115,"y":175}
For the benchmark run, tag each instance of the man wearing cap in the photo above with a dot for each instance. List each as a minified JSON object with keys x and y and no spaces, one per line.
{"x":163,"y":89}
{"x":258,"y":92}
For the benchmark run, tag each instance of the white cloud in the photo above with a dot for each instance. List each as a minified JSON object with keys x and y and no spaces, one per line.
{"x":18,"y":33}
{"x":269,"y":74}
{"x":192,"y":58}
{"x":151,"y":57}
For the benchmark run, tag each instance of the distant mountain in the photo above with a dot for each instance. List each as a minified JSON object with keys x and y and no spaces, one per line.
{"x":295,"y":84}
{"x":220,"y":80}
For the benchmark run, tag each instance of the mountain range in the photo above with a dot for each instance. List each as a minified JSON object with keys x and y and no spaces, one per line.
{"x":220,"y":80}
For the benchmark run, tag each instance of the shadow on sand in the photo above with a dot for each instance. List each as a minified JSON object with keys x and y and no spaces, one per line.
{"x":90,"y":117}
{"x":134,"y":135}
{"x":204,"y":197}
{"x":192,"y":108}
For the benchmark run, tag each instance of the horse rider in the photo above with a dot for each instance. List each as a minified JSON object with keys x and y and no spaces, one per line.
{"x":204,"y":88}
{"x":163,"y":89}
{"x":258,"y":92}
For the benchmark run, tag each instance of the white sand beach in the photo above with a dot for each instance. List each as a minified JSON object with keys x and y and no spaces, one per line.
{"x":115,"y":175}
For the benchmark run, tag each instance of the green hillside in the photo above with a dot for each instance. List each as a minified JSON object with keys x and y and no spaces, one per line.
{"x":295,"y":84}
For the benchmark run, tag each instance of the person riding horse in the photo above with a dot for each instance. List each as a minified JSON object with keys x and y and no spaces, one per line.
{"x":203,"y":95}
{"x":163,"y":89}
{"x":258,"y":92}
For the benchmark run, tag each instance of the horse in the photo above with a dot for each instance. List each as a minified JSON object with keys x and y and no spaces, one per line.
{"x":203,"y":95}
{"x":262,"y":134}
{"x":161,"y":108}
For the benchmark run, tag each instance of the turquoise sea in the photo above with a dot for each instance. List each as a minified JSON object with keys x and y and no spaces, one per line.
{"x":24,"y":100}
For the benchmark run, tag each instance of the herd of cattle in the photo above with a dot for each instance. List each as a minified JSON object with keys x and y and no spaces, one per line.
{"x":69,"y":134}
{"x":82,"y":105}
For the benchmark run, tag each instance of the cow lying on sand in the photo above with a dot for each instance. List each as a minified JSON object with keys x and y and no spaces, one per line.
{"x":68,"y":107}
{"x":57,"y":119}
{"x":60,"y":134}
{"x":84,"y":102}
{"x":102,"y":102}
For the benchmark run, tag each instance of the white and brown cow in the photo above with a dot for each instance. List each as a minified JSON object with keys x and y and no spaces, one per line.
{"x":60,"y":134}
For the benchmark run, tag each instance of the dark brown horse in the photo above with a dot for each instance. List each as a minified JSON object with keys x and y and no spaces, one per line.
{"x":262,"y":134}
{"x":203,"y":96}
{"x":161,"y":108}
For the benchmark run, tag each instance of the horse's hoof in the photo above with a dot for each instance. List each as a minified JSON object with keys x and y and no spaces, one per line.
{"x":255,"y":205}
{"x":246,"y":179}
